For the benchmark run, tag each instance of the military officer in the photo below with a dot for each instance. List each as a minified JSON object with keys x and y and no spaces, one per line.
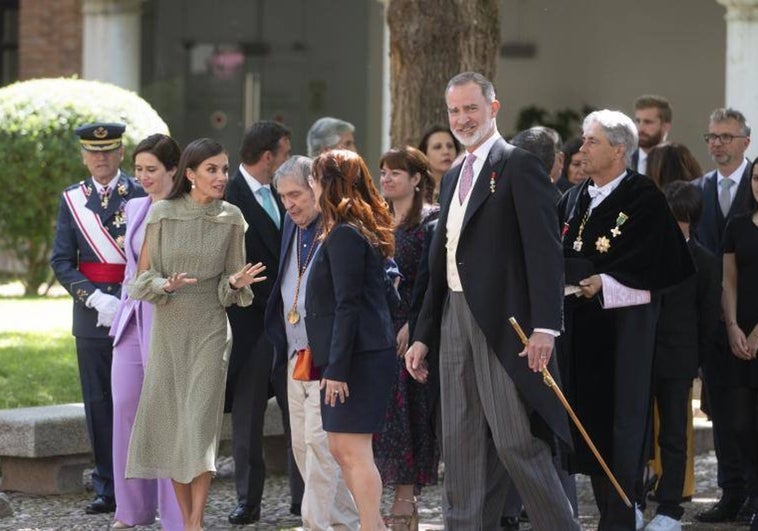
{"x":88,"y":260}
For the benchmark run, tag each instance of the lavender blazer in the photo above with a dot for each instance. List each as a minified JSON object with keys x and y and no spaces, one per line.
{"x":132,"y":312}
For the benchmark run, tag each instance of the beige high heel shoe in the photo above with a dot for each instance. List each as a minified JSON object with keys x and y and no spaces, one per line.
{"x":403,"y":522}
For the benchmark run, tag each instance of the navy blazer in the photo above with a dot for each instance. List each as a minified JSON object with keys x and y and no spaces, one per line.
{"x":710,"y":228}
{"x":273,"y":322}
{"x":345,"y":302}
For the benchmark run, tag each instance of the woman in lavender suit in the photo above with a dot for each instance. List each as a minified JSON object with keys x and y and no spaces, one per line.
{"x":155,"y":161}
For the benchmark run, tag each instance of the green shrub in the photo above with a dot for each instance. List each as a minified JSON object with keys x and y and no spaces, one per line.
{"x":40,"y":156}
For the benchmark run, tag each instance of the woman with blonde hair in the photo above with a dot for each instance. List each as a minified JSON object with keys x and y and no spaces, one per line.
{"x":348,"y":321}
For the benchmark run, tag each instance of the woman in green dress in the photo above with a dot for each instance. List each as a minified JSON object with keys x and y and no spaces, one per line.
{"x":191,"y":268}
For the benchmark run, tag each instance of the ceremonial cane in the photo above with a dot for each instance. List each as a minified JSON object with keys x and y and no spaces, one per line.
{"x":547,"y":378}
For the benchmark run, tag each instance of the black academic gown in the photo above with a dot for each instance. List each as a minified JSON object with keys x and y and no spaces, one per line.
{"x":608,"y":353}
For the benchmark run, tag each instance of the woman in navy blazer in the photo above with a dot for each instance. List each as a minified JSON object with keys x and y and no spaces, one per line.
{"x":348,"y":320}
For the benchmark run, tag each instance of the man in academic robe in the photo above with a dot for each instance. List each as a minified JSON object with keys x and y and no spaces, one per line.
{"x":621,"y":246}
{"x":89,"y":262}
{"x":495,"y":253}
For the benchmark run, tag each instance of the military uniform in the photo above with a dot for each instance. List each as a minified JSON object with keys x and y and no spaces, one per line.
{"x":88,"y":261}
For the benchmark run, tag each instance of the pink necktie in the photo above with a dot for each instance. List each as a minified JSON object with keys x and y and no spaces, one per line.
{"x":467,"y":179}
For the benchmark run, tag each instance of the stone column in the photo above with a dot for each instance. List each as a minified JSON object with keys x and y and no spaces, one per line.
{"x":112,"y":41}
{"x":741,"y":72}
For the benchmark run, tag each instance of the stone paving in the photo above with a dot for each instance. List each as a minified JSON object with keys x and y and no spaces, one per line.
{"x":66,"y":511}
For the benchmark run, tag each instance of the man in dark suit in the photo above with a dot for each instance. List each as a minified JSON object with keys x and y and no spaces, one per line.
{"x":89,"y":261}
{"x":264,"y":147}
{"x":725,"y":192}
{"x":652,"y":116}
{"x":495,"y":254}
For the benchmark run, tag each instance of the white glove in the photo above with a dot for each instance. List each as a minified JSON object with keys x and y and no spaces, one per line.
{"x":106,"y":306}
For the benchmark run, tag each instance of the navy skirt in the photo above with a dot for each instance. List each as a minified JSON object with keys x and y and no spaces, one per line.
{"x":372,"y":375}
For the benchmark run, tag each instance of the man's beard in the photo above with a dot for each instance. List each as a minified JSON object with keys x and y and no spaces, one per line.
{"x":475,"y":138}
{"x":648,"y":142}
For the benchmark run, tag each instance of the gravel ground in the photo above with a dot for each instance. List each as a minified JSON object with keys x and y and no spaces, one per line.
{"x":66,"y":511}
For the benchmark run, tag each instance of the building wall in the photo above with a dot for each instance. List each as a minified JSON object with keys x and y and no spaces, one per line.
{"x":605,"y":54}
{"x":50,"y":38}
{"x":313,"y":58}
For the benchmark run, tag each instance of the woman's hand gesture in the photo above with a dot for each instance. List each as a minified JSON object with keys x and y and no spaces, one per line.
{"x":176,"y":281}
{"x":247,"y":275}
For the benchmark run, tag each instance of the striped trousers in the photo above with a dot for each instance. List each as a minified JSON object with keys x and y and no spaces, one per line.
{"x":477,"y":394}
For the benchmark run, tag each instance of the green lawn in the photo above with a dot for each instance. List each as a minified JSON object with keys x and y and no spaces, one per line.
{"x":37,"y":354}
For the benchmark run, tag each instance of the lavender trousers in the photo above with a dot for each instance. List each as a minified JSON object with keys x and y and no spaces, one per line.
{"x":136,"y":499}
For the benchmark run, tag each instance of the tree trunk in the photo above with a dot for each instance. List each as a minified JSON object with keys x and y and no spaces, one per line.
{"x":430,"y":42}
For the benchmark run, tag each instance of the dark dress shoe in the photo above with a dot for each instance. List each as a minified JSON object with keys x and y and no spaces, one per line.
{"x":245,"y":514}
{"x":101,"y":505}
{"x":509,"y":523}
{"x":747,"y":513}
{"x":295,"y":509}
{"x":725,"y":510}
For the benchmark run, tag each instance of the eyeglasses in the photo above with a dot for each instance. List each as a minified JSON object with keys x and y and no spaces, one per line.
{"x":724,"y":138}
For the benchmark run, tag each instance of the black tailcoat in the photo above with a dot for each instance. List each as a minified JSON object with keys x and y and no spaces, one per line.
{"x":509,"y":262}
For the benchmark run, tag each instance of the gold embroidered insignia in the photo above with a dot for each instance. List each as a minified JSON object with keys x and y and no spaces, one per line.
{"x":602,"y":244}
{"x":82,"y":295}
{"x":119,"y":219}
{"x":100,"y":132}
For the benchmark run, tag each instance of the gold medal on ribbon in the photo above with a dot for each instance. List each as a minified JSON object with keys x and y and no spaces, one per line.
{"x":293,"y":316}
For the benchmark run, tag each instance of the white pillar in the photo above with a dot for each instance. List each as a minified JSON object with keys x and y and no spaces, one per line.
{"x":111,"y":42}
{"x":741,"y":67}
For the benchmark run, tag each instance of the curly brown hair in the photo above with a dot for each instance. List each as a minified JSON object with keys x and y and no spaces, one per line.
{"x":349,"y":196}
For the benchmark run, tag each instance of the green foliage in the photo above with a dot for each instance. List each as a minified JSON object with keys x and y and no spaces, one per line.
{"x":40,"y":156}
{"x":566,"y":121}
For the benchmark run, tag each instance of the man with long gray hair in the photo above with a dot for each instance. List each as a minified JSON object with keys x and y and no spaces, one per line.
{"x":621,"y":247}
